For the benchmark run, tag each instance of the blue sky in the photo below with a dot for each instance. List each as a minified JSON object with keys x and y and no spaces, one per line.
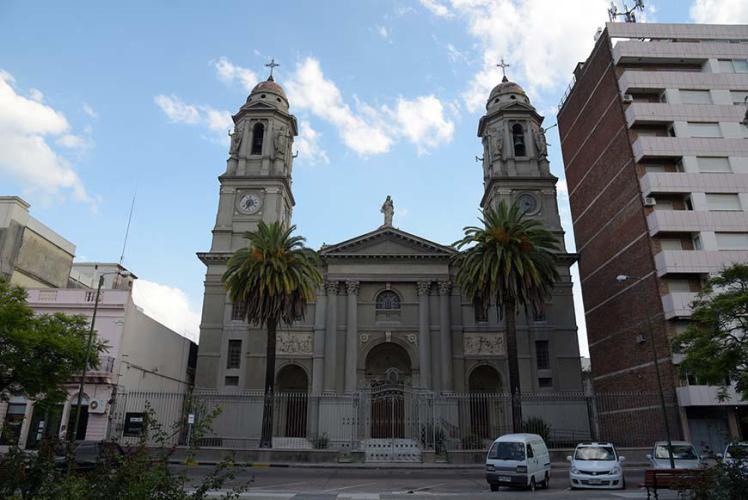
{"x":97,"y":98}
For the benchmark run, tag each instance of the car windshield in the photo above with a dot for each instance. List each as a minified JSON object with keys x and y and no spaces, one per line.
{"x":680,"y":452}
{"x":504,"y":450}
{"x":595,"y":453}
{"x":737,"y":451}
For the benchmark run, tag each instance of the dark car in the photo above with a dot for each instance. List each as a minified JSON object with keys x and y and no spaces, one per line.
{"x":87,"y":455}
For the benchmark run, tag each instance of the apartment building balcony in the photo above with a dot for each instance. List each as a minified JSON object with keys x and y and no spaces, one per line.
{"x":677,"y":304}
{"x":697,"y":261}
{"x":636,"y":79}
{"x":658,"y":112}
{"x":633,"y":51}
{"x":688,"y":221}
{"x":683,"y":182}
{"x":707,"y":395}
{"x":653,"y":147}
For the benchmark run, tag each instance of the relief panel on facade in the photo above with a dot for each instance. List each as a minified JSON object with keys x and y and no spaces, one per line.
{"x":294,"y":343}
{"x":484,"y":344}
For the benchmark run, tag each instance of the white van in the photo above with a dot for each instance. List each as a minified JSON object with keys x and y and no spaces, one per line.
{"x":519,"y":460}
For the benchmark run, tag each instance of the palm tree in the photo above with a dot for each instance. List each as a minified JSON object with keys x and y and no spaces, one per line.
{"x":273,"y":278}
{"x":511,"y":260}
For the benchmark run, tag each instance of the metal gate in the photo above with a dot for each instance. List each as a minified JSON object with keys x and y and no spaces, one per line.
{"x":391,"y":425}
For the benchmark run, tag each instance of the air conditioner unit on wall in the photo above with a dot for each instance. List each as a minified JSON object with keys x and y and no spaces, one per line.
{"x":97,"y":406}
{"x":628,"y":98}
{"x":649,"y":201}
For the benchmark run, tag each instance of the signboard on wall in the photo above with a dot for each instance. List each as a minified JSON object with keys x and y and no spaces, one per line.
{"x":133,"y":424}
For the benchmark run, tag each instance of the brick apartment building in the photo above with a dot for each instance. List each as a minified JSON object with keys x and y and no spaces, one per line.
{"x":656,"y":161}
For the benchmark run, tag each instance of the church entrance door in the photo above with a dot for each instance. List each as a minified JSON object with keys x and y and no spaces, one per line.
{"x":390,"y":411}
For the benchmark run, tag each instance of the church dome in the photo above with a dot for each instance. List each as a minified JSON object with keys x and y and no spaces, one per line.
{"x":505,"y":93}
{"x":269,"y":92}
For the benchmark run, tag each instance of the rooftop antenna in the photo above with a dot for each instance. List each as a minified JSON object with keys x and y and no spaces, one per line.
{"x":627,"y":14}
{"x":129,"y":220}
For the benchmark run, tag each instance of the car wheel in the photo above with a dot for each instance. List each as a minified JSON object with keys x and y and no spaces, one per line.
{"x":547,"y":481}
{"x":532,"y":483}
{"x":494,"y":487}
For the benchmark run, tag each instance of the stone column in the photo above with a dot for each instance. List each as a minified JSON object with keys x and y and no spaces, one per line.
{"x":424,"y":335}
{"x":351,"y":336}
{"x":318,"y":359}
{"x":445,"y":336}
{"x":331,"y":334}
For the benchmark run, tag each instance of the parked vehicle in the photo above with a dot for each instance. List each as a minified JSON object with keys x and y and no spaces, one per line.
{"x":596,"y":465}
{"x":518,"y":460}
{"x":87,"y":455}
{"x":684,"y":454}
{"x":737,"y":454}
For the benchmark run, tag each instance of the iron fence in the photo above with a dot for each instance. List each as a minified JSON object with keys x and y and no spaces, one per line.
{"x":390,"y":421}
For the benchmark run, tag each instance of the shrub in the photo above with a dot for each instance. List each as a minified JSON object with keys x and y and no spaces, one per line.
{"x":536,"y":425}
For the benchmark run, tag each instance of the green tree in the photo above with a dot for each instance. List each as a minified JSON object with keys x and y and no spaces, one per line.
{"x":715,"y":344}
{"x":40,"y":353}
{"x":509,"y":260}
{"x":273,"y":277}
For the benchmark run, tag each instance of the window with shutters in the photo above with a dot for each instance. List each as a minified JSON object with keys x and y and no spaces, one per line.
{"x":234,"y":354}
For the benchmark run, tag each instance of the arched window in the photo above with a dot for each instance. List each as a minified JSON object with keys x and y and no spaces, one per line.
{"x":388,"y":301}
{"x":388,"y":306}
{"x":257,"y":135}
{"x":518,"y":139}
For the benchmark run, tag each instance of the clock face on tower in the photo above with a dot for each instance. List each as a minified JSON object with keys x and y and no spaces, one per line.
{"x":527,"y":203}
{"x":249,"y":203}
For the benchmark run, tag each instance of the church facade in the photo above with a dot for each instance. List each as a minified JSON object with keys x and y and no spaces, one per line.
{"x":388,"y":312}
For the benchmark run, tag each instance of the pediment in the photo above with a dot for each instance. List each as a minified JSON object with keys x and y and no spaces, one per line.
{"x":387,"y":243}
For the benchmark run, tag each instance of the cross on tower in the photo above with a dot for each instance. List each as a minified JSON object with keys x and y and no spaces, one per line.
{"x":272,"y":65}
{"x":503,"y":67}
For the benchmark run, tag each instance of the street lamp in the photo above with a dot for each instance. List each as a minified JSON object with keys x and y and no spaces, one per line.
{"x":621,"y":278}
{"x":88,"y":349}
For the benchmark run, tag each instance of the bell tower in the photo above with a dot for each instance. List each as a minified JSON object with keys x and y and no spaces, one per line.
{"x":515,"y":156}
{"x":256,"y":186}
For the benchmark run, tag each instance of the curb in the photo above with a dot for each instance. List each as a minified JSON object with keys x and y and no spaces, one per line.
{"x":372,"y":466}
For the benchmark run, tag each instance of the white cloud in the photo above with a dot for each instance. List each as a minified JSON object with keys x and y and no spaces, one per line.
{"x":228,"y":72}
{"x":719,"y":11}
{"x":217,"y":121}
{"x":541,"y":53}
{"x":455,"y":55}
{"x":176,"y":110}
{"x":25,"y":154}
{"x":167,"y":305}
{"x":90,"y":111}
{"x":307,"y":144}
{"x":36,"y":95}
{"x":422,"y":121}
{"x":436,"y":7}
{"x":368,"y":130}
{"x":383,"y":32}
{"x":72,"y":141}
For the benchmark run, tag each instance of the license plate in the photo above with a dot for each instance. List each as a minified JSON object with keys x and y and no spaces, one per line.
{"x":505,"y":478}
{"x":595,"y":481}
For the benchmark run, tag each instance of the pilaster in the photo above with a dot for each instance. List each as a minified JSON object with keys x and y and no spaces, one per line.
{"x":445,"y":336}
{"x":424,"y":340}
{"x":331,"y":334}
{"x":351,"y":338}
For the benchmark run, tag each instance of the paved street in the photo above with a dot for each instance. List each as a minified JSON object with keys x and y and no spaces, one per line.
{"x":373,"y":484}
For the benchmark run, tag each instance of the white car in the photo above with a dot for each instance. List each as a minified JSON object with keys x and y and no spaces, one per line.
{"x":737,"y":453}
{"x":596,"y":465}
{"x":684,"y":455}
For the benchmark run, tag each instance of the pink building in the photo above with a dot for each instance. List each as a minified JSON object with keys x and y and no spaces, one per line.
{"x":143,"y":355}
